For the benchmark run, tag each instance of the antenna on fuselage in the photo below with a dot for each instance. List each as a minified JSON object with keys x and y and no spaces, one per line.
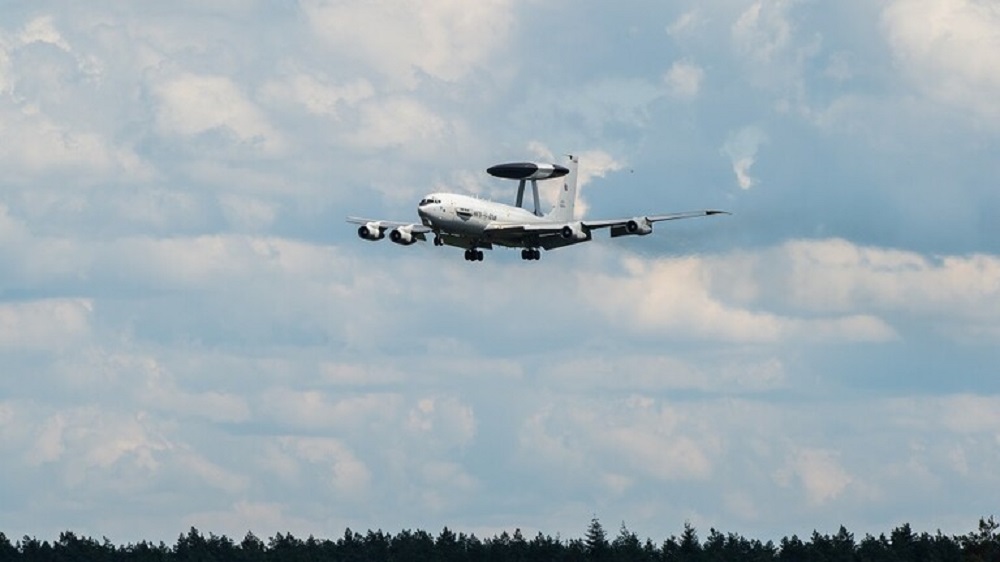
{"x":524,"y":171}
{"x":534,"y":192}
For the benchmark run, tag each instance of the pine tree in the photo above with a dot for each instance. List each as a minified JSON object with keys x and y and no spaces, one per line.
{"x":596,"y":542}
{"x":689,"y":549}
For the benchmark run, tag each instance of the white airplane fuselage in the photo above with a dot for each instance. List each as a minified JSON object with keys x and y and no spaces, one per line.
{"x":452,"y":213}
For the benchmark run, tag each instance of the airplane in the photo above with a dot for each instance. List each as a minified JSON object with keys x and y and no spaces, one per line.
{"x":475,"y":224}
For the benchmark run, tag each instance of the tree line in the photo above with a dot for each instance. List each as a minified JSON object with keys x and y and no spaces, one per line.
{"x":901,"y":545}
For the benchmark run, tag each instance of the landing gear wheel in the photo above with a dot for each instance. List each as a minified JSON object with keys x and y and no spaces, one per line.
{"x":478,"y":254}
{"x":438,"y":241}
{"x":530,"y":254}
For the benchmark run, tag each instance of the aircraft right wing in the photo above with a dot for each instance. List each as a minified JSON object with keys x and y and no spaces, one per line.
{"x":404,"y":233}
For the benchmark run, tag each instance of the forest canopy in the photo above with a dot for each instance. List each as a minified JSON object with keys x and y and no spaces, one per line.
{"x":902,"y":544}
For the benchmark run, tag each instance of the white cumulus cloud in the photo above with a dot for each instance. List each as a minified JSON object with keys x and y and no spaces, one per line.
{"x":951,"y":50}
{"x":443,"y":38}
{"x":192,"y":103}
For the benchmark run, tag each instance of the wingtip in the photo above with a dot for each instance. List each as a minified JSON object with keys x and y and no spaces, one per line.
{"x":717,"y":212}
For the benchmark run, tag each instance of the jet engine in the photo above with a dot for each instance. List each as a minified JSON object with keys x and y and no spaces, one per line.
{"x":371,"y":231}
{"x":639,"y":226}
{"x":574,"y":231}
{"x":402,"y":235}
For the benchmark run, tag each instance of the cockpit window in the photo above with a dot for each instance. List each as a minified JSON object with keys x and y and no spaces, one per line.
{"x":428,"y":201}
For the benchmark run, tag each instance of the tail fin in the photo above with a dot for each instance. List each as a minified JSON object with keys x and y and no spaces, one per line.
{"x":565,"y":205}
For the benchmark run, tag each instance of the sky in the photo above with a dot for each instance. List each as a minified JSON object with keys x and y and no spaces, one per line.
{"x":192,"y":335}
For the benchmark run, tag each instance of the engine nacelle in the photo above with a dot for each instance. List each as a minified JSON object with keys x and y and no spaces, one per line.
{"x":402,"y":235}
{"x":371,"y":231}
{"x":639,"y":226}
{"x":574,"y":231}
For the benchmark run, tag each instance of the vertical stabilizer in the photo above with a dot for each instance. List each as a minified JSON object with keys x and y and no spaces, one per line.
{"x":565,"y":204}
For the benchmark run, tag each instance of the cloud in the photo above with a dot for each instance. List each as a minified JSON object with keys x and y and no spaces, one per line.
{"x":348,"y":476}
{"x":836,"y":276}
{"x":445,"y":39}
{"x":950,"y":49}
{"x":819,"y":473}
{"x":46,"y":86}
{"x":161,"y":393}
{"x":684,"y":79}
{"x":398,"y":122}
{"x":318,"y":410}
{"x":685,"y":24}
{"x":972,"y":414}
{"x":651,"y":373}
{"x":46,"y":148}
{"x":959,"y":415}
{"x":316,"y":95}
{"x":191,"y":104}
{"x":42,"y":30}
{"x":763,"y":30}
{"x":88,"y":446}
{"x":444,"y":421}
{"x":741,"y":148}
{"x":674,"y":296}
{"x":45,"y":323}
{"x":831,"y":290}
{"x":248,"y":213}
{"x":635,"y":435}
{"x":445,"y":486}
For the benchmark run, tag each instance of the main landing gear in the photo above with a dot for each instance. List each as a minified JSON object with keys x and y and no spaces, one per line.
{"x":473,"y":254}
{"x":531,"y":254}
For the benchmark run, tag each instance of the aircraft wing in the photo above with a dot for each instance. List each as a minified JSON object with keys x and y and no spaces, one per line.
{"x":556,"y":227}
{"x":404,"y":233}
{"x":612,"y":223}
{"x":556,"y":234}
{"x":642,"y":225}
{"x":416,"y":228}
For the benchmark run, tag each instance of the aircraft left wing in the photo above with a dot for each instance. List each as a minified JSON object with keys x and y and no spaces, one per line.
{"x":404,"y":233}
{"x":552,"y":234}
{"x":642,"y":225}
{"x":639,"y":225}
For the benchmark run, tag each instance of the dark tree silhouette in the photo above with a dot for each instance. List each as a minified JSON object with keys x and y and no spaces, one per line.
{"x":544,"y":547}
{"x":448,"y":548}
{"x":793,"y":550}
{"x":983,"y":545}
{"x":689,"y":549}
{"x":7,"y":550}
{"x":598,"y":549}
{"x":626,"y":547}
{"x":902,"y":545}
